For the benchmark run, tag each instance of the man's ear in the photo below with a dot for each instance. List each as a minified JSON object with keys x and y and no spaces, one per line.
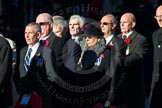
{"x":114,"y":26}
{"x":133,"y":24}
{"x":51,"y":24}
{"x":38,"y":34}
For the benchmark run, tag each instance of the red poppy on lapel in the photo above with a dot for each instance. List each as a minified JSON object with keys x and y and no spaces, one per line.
{"x":127,"y":40}
{"x":46,"y":43}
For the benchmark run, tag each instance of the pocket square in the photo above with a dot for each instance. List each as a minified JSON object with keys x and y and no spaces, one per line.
{"x":35,"y":101}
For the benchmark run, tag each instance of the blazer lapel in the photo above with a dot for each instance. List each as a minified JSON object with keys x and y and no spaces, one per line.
{"x":113,"y":39}
{"x":39,"y":50}
{"x":22,"y":68}
{"x":132,"y":44}
{"x":37,"y":54}
{"x":159,"y":39}
{"x":51,"y":39}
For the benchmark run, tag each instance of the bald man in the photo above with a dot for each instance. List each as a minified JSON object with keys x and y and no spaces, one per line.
{"x":156,"y":87}
{"x":132,"y":94}
{"x":108,"y":24}
{"x":46,"y":22}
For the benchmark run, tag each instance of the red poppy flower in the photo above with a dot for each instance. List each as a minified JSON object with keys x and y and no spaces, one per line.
{"x":127,"y":40}
{"x":46,"y":43}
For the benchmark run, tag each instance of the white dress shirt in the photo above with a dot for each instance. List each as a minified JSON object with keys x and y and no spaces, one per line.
{"x":108,"y":39}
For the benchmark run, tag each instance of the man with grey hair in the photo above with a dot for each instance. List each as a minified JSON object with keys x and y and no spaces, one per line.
{"x":76,"y":23}
{"x":60,"y":29}
{"x":73,"y":45}
{"x":60,"y":26}
{"x":36,"y":63}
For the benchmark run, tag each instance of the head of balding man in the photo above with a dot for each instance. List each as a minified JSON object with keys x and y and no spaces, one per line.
{"x":45,"y":21}
{"x":127,"y":23}
{"x":158,"y":15}
{"x":108,"y":24}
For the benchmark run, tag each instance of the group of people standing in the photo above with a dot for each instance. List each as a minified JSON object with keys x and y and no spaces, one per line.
{"x":82,"y":55}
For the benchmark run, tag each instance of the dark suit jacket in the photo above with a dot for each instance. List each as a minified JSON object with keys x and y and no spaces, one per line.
{"x":58,"y":50}
{"x":5,"y":73}
{"x":116,"y":66}
{"x":133,"y":90}
{"x":40,"y":75}
{"x":117,"y":49}
{"x":46,"y":54}
{"x":52,"y":42}
{"x":56,"y":44}
{"x":157,"y":73}
{"x":51,"y":39}
{"x":112,"y":65}
{"x":72,"y":52}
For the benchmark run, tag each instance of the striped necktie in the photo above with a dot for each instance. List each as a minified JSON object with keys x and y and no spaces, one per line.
{"x":27,"y":60}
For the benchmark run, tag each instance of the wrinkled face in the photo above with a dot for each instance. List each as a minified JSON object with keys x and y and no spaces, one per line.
{"x":91,"y":40}
{"x":126,"y":24}
{"x":106,"y":25}
{"x":158,"y":16}
{"x":74,"y":27}
{"x":45,"y":24}
{"x":31,"y":36}
{"x":57,"y":29}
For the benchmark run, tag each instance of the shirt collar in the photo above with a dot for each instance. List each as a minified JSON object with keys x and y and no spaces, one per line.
{"x":44,"y":38}
{"x":108,"y":39}
{"x":128,"y":34}
{"x":75,"y":38}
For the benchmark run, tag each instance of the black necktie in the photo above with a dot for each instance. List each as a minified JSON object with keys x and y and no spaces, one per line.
{"x":124,"y":37}
{"x":27,"y":60}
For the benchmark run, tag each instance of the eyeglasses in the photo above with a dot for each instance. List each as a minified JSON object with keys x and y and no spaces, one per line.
{"x":43,"y":23}
{"x":105,"y":23}
{"x":158,"y":16}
